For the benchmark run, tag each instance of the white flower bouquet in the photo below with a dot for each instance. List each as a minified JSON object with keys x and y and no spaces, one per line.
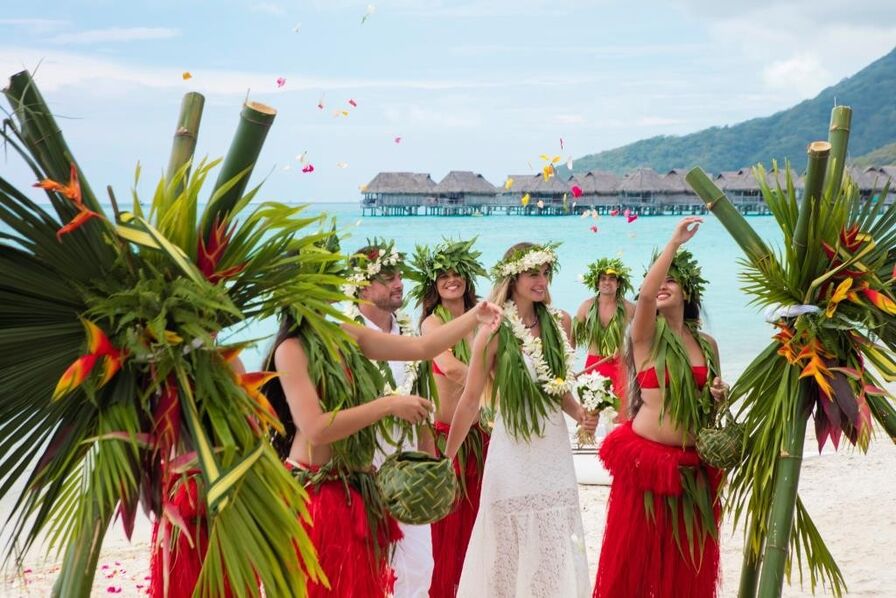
{"x":595,"y":392}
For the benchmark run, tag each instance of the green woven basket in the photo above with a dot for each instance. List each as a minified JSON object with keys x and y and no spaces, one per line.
{"x":416,"y":487}
{"x":722,"y":445}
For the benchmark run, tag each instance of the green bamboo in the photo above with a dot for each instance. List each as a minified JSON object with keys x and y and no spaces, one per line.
{"x":749,"y":573}
{"x":42,"y":135}
{"x":185,"y":137}
{"x":814,"y":185}
{"x":255,"y":121}
{"x":838,"y":137}
{"x":717,"y":202}
{"x":780,"y":520}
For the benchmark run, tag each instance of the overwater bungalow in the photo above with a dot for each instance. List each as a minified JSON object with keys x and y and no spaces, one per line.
{"x":397,"y":194}
{"x":873,"y":179}
{"x":462,"y":193}
{"x":599,"y":191}
{"x":643,"y":190}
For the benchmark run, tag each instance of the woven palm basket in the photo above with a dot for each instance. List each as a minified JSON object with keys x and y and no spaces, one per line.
{"x":417,"y":488}
{"x":722,"y":445}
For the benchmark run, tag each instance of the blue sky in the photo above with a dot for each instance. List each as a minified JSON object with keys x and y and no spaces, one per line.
{"x":483,"y":86}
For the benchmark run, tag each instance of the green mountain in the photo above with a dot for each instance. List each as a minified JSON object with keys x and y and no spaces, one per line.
{"x":882,"y":156}
{"x":871,"y":93}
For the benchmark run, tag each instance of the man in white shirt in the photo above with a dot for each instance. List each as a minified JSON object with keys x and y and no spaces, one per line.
{"x":382,"y":298}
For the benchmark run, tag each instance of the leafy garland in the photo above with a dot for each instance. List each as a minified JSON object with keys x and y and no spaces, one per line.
{"x":524,"y":402}
{"x":688,"y":408}
{"x":612,"y":267}
{"x":448,"y":256}
{"x":592,"y":333}
{"x":461,"y":350}
{"x":367,"y":266}
{"x":687,"y":272}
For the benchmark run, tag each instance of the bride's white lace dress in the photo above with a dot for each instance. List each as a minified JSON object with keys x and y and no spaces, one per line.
{"x":528,"y":541}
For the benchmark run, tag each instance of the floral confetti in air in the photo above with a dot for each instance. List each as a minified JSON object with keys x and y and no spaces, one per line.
{"x":297,"y":28}
{"x":508,"y":183}
{"x":370,"y":10}
{"x":308,"y":168}
{"x":594,"y":228}
{"x":320,"y":102}
{"x":631,"y":218}
{"x":540,"y":204}
{"x":281,"y":81}
{"x":525,"y":199}
{"x":342,"y":165}
{"x":561,"y":144}
{"x":569,"y":163}
{"x":353,"y":103}
{"x":187,"y":75}
{"x":576,"y":191}
{"x":614,"y":212}
{"x":303,"y":157}
{"x":398,"y":140}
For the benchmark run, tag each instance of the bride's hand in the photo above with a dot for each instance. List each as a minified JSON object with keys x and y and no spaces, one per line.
{"x":588,"y":422}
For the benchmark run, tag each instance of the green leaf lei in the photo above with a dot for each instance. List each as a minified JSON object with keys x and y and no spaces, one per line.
{"x":592,"y":332}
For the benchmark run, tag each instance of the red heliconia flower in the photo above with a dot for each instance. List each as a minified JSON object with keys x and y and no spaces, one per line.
{"x":72,"y":191}
{"x":98,"y":347}
{"x":208,"y":255}
{"x":880,"y":301}
{"x":851,"y":239}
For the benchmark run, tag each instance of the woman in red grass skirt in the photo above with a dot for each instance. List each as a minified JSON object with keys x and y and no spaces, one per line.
{"x":446,"y":292}
{"x":331,"y":410}
{"x":600,"y":323}
{"x":661,"y":537}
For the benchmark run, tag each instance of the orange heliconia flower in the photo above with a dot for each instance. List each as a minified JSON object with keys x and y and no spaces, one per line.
{"x":72,"y":191}
{"x":98,"y":347}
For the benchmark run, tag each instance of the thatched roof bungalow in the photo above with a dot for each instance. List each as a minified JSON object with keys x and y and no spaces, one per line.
{"x":599,"y":187}
{"x":399,"y":189}
{"x":464,"y":187}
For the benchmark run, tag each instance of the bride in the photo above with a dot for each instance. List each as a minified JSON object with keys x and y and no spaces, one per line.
{"x":527,"y":540}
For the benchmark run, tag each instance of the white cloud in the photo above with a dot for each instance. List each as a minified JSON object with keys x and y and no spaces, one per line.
{"x":657,"y":121}
{"x":268,"y":8}
{"x":802,"y":72}
{"x":114,"y":34}
{"x":569,"y":119}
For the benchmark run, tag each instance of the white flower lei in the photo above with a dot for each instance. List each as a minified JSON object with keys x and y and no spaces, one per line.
{"x":405,"y":328}
{"x":360,"y":275}
{"x":529,"y":261}
{"x":594,"y":391}
{"x":531,"y":346}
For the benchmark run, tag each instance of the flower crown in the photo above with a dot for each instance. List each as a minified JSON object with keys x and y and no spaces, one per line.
{"x":377,"y":257}
{"x":610,"y":267}
{"x":448,"y":256}
{"x":526,"y":259}
{"x":687,"y":272}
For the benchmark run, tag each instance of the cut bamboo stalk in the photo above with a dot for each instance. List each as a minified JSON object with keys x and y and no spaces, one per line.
{"x":42,"y":135}
{"x":185,"y":137}
{"x":717,"y":202}
{"x":814,"y":185}
{"x":838,"y":137}
{"x":255,"y":121}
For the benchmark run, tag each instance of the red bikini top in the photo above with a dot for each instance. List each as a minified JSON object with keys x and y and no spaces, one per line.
{"x":647,"y":378}
{"x":435,"y":369}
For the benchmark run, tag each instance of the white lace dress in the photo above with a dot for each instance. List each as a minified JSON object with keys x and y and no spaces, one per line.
{"x":528,"y":541}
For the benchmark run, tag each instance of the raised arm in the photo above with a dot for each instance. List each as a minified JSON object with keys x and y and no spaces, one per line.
{"x":321,"y":428}
{"x":392,"y":347}
{"x":482,"y":360}
{"x":453,"y":368}
{"x":644,"y":320}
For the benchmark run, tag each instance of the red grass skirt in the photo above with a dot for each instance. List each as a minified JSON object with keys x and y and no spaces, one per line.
{"x":185,"y":561}
{"x":639,"y":556}
{"x":614,"y":369}
{"x":451,"y":534}
{"x":340,"y":533}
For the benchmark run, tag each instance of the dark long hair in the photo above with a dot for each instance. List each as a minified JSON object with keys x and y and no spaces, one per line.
{"x":274,"y":392}
{"x":431,"y":298}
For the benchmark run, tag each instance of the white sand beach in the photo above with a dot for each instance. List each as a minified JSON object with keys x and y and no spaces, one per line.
{"x":850,"y":495}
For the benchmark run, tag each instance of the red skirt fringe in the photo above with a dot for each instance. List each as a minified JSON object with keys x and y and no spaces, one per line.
{"x":639,"y":556}
{"x":614,"y":369}
{"x":341,"y":535}
{"x":185,"y":561}
{"x":451,"y":535}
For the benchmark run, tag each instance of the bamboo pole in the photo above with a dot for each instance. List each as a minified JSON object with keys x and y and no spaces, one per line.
{"x":838,"y":137}
{"x":749,"y":573}
{"x":42,"y":135}
{"x":787,"y":468}
{"x":255,"y":121}
{"x":718,"y":204}
{"x":185,"y":137}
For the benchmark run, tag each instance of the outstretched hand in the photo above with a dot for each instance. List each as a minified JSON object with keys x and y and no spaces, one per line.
{"x":489,"y":315}
{"x":686,"y":229}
